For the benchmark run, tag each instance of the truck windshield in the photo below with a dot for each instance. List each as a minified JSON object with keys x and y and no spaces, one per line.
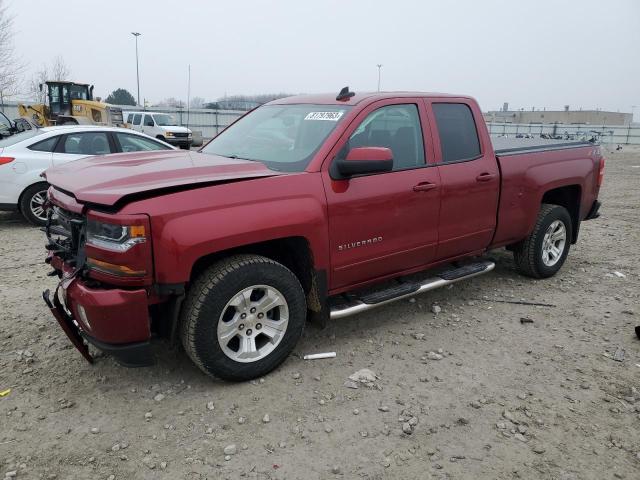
{"x":283,"y":137}
{"x":164,"y":120}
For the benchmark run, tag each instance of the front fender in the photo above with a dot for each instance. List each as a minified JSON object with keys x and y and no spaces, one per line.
{"x":208,"y":220}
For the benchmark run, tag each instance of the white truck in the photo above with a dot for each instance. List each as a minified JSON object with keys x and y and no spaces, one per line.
{"x":161,"y":126}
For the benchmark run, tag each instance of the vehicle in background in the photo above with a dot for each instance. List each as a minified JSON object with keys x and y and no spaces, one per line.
{"x":23,"y":124}
{"x":161,"y":126}
{"x":7,"y":127}
{"x":69,"y":103}
{"x":24,"y":156}
{"x":307,"y":207}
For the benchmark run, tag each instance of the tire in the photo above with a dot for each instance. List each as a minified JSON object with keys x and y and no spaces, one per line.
{"x":215,"y":334}
{"x":534,"y":256}
{"x":31,"y":202}
{"x":161,"y":138}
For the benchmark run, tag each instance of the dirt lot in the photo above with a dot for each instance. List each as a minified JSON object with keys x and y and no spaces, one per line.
{"x":541,"y":400}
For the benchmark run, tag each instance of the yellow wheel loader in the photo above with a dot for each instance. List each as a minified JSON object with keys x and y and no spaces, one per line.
{"x":69,"y":103}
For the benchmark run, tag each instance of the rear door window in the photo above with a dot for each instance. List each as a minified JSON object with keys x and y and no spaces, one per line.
{"x":88,"y":143}
{"x":457,"y":132}
{"x":136,"y":118}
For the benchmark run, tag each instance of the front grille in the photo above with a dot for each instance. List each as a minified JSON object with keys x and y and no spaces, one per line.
{"x":65,"y":235}
{"x":181,"y":135}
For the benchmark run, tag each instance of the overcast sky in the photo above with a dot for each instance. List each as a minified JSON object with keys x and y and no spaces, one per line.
{"x":530,"y":53}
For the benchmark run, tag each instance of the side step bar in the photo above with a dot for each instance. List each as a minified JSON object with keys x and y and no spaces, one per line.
{"x":404,"y":290}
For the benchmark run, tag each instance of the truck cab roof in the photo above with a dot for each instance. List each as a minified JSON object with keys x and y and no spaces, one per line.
{"x":357,"y":98}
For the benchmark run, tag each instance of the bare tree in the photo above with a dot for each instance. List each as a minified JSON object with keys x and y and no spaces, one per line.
{"x":59,"y":71}
{"x":10,"y":67}
{"x":38,"y":79}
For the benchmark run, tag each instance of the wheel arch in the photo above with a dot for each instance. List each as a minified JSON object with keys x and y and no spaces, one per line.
{"x":24,"y":190}
{"x":294,"y":252}
{"x":569,"y":197}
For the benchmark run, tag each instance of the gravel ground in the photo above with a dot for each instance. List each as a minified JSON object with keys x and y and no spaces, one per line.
{"x":468,"y":392}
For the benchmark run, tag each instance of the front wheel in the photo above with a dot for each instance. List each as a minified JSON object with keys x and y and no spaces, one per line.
{"x":544,"y":251}
{"x":242,"y":317}
{"x":32,"y":203}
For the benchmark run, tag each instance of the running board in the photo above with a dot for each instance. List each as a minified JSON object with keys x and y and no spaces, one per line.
{"x":404,"y":290}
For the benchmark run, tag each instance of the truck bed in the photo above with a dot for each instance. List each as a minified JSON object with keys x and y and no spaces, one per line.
{"x":514,"y":146}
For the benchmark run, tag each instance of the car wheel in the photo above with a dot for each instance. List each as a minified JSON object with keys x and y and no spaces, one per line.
{"x":161,"y":138}
{"x":32,"y":204}
{"x":545,"y":250}
{"x":242,"y":317}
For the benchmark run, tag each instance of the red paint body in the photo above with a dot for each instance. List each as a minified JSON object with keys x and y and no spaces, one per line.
{"x":419,"y":217}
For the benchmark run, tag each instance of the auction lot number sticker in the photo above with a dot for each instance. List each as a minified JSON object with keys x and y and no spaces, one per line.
{"x":329,"y":116}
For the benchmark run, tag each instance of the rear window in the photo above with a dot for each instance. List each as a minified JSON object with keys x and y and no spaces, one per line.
{"x":45,"y":145}
{"x":457,"y":131}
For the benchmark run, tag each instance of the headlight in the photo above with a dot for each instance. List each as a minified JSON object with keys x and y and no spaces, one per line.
{"x":119,"y":238}
{"x":169,"y":134}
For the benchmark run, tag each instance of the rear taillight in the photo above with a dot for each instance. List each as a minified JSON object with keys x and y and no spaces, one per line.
{"x":5,"y":160}
{"x":601,"y":172}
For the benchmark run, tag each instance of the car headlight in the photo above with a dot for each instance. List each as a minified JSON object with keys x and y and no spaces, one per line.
{"x":169,"y":134}
{"x":119,"y":238}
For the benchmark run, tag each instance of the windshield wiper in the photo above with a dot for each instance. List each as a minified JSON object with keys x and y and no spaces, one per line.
{"x":236,"y":157}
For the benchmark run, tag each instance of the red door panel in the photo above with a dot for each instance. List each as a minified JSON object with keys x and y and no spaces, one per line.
{"x":384,"y":223}
{"x":380,"y":225}
{"x":470,"y":186}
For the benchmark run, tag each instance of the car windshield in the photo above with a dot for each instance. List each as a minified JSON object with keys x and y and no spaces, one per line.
{"x":164,"y":120}
{"x":283,"y":137}
{"x":18,"y":137}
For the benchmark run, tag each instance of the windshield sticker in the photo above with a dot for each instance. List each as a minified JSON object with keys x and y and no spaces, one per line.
{"x":330,"y":116}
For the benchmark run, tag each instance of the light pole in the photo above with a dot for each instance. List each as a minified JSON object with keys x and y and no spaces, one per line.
{"x":137,"y":34}
{"x":379,"y":68}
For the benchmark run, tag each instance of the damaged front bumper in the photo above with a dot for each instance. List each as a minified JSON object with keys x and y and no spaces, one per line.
{"x":113,"y":320}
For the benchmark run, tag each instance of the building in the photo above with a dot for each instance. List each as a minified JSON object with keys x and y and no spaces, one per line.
{"x":566,"y":116}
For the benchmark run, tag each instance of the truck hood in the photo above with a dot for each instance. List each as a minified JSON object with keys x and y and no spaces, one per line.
{"x":107,"y":179}
{"x":174,"y":129}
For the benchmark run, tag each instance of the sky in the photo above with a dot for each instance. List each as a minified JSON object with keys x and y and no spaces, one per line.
{"x":538,"y":53}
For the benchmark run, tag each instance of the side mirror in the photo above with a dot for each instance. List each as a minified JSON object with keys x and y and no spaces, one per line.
{"x":361,"y":161}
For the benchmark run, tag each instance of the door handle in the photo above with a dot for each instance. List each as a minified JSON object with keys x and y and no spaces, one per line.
{"x":485,"y":177}
{"x":424,"y":187}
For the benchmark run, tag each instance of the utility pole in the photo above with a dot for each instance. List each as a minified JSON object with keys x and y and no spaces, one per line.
{"x":189,"y":96}
{"x":137,"y":34}
{"x":379,"y":68}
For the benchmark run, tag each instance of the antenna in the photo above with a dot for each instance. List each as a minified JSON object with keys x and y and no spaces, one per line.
{"x":345,"y":94}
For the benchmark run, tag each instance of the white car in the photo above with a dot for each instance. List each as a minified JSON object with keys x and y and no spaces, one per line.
{"x":161,"y":126}
{"x":24,"y":156}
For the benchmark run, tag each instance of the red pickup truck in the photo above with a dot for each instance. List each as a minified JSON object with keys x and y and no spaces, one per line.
{"x":309,"y":207}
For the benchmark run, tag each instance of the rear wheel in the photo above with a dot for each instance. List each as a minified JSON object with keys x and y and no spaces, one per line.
{"x":242,"y":317}
{"x":32,"y":204}
{"x":545,"y":250}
